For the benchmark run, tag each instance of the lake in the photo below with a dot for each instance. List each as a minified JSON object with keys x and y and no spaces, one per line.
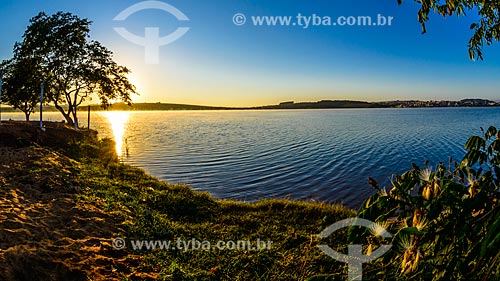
{"x":322,"y":155}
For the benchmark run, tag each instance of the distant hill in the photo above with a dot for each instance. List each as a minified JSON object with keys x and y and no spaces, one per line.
{"x":287,"y":105}
{"x":156,"y":106}
{"x":322,"y":104}
{"x":283,"y":105}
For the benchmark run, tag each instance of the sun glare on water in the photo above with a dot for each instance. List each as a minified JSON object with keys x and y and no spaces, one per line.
{"x":118,"y":120}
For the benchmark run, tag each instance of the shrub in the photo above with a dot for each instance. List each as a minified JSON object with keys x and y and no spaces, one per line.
{"x":445,"y":220}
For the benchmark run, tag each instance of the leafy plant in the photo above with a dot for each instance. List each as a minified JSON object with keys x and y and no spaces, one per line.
{"x":445,"y":220}
{"x":486,"y":29}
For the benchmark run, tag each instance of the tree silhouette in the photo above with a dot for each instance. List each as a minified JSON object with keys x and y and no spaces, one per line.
{"x":21,"y":85}
{"x":74,"y":67}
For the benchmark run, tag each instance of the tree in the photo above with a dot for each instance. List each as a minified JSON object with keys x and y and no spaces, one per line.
{"x":486,"y":30}
{"x":21,"y":85}
{"x":74,"y":67}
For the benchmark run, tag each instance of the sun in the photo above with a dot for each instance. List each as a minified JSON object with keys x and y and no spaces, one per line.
{"x":134,"y":80}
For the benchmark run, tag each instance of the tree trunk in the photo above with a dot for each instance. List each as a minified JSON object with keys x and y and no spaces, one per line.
{"x":69,"y":120}
{"x":75,"y":117}
{"x":67,"y":116}
{"x":27,"y":115}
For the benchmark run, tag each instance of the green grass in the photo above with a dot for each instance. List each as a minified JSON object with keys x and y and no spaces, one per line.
{"x":152,"y":209}
{"x":76,"y":167}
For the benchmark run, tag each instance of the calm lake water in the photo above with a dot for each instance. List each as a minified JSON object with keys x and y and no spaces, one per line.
{"x":324,"y":155}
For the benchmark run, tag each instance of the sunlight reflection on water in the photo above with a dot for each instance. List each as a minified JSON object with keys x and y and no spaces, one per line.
{"x":118,"y":121}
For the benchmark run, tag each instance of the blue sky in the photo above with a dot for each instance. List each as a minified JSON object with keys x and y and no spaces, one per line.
{"x":219,"y":63}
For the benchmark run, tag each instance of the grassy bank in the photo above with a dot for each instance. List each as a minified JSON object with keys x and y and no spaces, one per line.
{"x":65,"y":197}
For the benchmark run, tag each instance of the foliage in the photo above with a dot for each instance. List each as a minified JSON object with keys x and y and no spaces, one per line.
{"x":486,"y":30}
{"x":74,"y":68}
{"x":21,"y":84}
{"x":445,"y":221}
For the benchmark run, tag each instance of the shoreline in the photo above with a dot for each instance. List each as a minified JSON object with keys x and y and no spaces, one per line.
{"x":66,"y":198}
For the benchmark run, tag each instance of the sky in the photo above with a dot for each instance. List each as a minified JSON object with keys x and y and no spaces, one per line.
{"x":223,"y":63}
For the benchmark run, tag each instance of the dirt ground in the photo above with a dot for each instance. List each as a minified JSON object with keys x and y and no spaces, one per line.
{"x":46,"y":232}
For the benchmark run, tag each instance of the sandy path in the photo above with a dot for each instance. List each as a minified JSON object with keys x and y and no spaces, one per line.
{"x":46,"y":233}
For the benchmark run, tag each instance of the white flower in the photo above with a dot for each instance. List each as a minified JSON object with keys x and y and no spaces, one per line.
{"x":406,"y":243}
{"x":425,"y":174}
{"x":470,"y":180}
{"x":421,"y":224}
{"x":411,"y":255}
{"x":383,"y":192}
{"x":379,"y":228}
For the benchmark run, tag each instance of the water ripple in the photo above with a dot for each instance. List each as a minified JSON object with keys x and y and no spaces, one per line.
{"x":324,"y":155}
